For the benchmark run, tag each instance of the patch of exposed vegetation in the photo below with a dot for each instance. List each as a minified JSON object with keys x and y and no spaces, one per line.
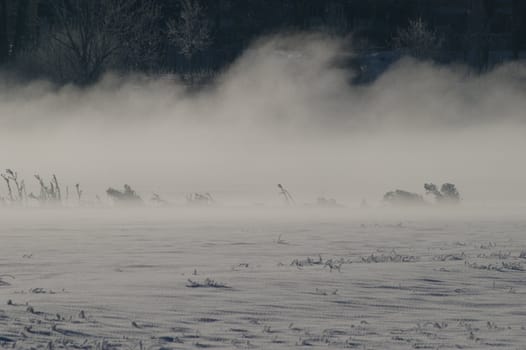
{"x":401,"y":197}
{"x":3,"y":282}
{"x":392,"y":257}
{"x":450,"y":257}
{"x":448,"y":193}
{"x":207,"y":283}
{"x":200,"y":199}
{"x":127,"y":196}
{"x":503,"y":266}
{"x":331,"y":264}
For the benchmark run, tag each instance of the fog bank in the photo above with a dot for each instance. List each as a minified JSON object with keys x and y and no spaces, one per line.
{"x":284,"y":112}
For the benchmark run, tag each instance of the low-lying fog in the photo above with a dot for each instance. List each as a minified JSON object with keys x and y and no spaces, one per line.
{"x":284,"y":112}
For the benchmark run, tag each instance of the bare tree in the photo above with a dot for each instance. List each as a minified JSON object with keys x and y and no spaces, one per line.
{"x":92,"y":34}
{"x":191,"y":31}
{"x":418,"y":40}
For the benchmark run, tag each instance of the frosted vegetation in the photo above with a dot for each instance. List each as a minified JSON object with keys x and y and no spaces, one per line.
{"x":448,"y":194}
{"x":51,"y":194}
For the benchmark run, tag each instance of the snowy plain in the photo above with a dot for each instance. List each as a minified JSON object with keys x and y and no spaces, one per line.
{"x":246,"y":278}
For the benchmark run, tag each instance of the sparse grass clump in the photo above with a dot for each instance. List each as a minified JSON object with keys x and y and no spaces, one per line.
{"x":502,"y":267}
{"x":3,"y":282}
{"x":393,"y":257}
{"x":331,"y":264}
{"x":307,"y":262}
{"x":48,"y":193}
{"x":450,"y":257}
{"x":207,"y":283}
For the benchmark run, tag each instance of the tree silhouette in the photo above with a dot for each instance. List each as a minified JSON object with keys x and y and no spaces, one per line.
{"x":92,"y":33}
{"x":191,"y":31}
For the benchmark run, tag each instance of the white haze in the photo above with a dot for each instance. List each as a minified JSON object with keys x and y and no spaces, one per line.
{"x":284,"y":112}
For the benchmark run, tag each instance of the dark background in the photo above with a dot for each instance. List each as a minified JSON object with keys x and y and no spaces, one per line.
{"x":479,"y":33}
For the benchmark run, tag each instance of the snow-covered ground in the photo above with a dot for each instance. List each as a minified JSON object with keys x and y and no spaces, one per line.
{"x":120,"y":279}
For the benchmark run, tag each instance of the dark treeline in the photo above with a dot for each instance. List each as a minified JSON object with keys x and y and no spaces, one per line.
{"x":78,"y":40}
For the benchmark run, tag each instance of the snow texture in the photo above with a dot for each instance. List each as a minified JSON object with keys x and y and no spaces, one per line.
{"x":109,"y":280}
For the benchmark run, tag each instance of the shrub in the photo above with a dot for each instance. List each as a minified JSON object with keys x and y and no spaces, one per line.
{"x":126,"y":196}
{"x":401,"y":197}
{"x":448,"y":192}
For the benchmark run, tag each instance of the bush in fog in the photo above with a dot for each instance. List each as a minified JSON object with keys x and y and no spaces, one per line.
{"x":200,"y":199}
{"x":448,"y":193}
{"x":126,"y":196}
{"x":323,"y":202}
{"x":401,"y":197}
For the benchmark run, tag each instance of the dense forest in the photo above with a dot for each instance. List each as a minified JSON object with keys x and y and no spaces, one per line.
{"x":79,"y":40}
